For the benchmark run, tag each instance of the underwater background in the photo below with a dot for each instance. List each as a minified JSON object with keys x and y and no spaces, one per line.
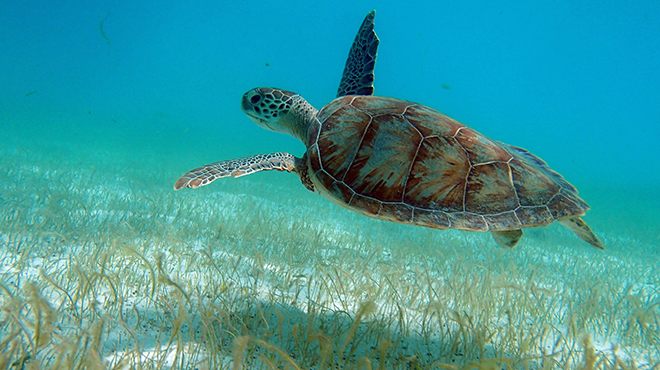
{"x":103,"y":105}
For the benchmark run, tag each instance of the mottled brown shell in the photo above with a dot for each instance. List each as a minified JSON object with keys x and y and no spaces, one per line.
{"x":404,"y":162}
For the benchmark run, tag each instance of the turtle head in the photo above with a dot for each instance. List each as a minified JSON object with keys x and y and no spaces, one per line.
{"x":279,"y":110}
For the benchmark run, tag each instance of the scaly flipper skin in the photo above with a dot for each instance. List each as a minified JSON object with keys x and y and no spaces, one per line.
{"x":582,"y":230}
{"x":358,"y":77}
{"x":236,"y":168}
{"x":507,"y":239}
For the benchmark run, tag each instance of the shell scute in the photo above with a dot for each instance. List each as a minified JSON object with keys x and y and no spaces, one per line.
{"x":539,"y":215}
{"x":382,"y":163}
{"x":566,"y":204}
{"x":366,"y":205}
{"x":431,"y":122}
{"x":379,"y":106}
{"x":490,"y":190}
{"x":333,"y":107}
{"x":479,"y":148}
{"x":340,"y":139}
{"x":503,"y":221}
{"x":343,"y":191}
{"x":397,"y":212}
{"x":468,"y":221}
{"x":325,"y":179}
{"x":432,"y":218}
{"x":533,"y":186}
{"x":313,"y":157}
{"x":438,"y":175}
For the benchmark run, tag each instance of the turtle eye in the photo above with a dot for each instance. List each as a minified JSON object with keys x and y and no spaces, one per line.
{"x":255,"y":99}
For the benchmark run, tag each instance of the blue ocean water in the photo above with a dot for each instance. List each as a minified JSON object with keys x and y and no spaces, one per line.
{"x":159,"y":82}
{"x":576,"y":83}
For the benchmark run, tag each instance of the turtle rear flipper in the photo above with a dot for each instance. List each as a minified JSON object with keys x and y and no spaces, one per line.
{"x":507,"y":239}
{"x":582,"y":230}
{"x":358,"y":77}
{"x":236,"y":168}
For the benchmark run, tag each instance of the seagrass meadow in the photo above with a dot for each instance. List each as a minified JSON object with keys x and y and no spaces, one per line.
{"x":104,"y":266}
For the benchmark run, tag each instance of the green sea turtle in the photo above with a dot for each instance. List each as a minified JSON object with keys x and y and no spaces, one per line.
{"x":404,"y":162}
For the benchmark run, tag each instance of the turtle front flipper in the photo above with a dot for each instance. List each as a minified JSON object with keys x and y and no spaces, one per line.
{"x":358,"y":77}
{"x":236,"y":168}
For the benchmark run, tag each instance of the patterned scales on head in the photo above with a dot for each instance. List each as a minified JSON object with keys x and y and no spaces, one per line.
{"x":404,"y":162}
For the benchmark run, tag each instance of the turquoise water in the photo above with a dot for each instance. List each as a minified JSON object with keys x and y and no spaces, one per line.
{"x":103,"y":106}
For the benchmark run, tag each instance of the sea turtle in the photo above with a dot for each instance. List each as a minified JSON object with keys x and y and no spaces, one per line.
{"x":404,"y":162}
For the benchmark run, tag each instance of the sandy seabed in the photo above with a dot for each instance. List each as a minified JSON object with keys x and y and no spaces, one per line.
{"x":104,"y":266}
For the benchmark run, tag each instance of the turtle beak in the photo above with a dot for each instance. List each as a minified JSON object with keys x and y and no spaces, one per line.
{"x":260,"y":121}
